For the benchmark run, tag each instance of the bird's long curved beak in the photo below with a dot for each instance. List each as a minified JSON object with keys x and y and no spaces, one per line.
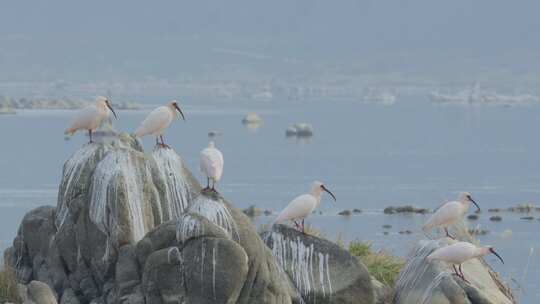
{"x":178,"y":108}
{"x":110,"y":108}
{"x":475,"y":204}
{"x":496,"y":254}
{"x":331,"y":194}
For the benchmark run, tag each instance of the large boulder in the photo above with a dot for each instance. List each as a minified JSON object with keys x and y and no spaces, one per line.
{"x":322,"y":271}
{"x":131,"y":227}
{"x":423,"y":281}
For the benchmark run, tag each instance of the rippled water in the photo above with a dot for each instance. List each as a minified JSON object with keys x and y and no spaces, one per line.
{"x":370,"y":156}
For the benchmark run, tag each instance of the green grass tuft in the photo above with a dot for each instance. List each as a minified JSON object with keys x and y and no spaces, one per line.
{"x":381,"y":265}
{"x":8,"y":286}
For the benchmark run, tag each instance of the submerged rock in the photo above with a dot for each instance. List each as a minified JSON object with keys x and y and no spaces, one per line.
{"x":322,"y":271}
{"x":252,"y":118}
{"x":405,"y":209}
{"x":300,"y":130}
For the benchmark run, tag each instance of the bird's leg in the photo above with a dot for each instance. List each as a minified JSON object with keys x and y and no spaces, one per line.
{"x":296,"y":225}
{"x":448,"y":234}
{"x":214,"y":185}
{"x":456,"y":271}
{"x":90,"y":135}
{"x":157,"y":142}
{"x":163,"y":142}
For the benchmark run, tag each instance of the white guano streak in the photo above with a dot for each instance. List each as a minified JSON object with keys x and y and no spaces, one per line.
{"x":172,"y":170}
{"x":301,"y":268}
{"x":217,"y":213}
{"x":106,"y":181}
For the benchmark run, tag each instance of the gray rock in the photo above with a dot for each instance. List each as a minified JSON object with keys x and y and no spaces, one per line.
{"x":41,"y":293}
{"x":69,"y":297}
{"x":421,"y":281}
{"x":321,"y":270}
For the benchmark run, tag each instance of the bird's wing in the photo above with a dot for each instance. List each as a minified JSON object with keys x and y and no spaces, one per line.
{"x":300,"y":207}
{"x":444,"y":215}
{"x":84,"y":118}
{"x":212,"y":163}
{"x":456,"y":253}
{"x":158,"y":119}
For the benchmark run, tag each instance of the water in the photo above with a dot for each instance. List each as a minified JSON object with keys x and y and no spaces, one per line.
{"x":371,"y":156}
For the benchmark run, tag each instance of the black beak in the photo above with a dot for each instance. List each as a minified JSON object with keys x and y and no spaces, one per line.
{"x":331,"y":194}
{"x":110,"y":108}
{"x":493,"y":251}
{"x":470,"y":198}
{"x":178,"y":108}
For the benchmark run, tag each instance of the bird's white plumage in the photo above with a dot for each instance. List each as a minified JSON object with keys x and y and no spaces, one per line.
{"x":211,"y":162}
{"x":298,"y":208}
{"x":90,"y":117}
{"x":456,"y":253}
{"x":447,"y":215}
{"x":156,"y":122}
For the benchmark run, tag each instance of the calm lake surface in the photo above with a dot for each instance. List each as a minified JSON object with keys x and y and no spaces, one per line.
{"x":371,"y":156}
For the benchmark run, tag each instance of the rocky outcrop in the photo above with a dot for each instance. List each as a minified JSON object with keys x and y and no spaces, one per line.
{"x":322,"y":271}
{"x":131,"y":227}
{"x":421,"y":281}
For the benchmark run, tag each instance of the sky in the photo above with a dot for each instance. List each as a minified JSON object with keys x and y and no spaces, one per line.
{"x":172,"y":39}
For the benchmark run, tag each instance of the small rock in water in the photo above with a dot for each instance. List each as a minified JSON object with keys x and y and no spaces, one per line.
{"x":523,"y":208}
{"x":252,"y":211}
{"x":495,"y":218}
{"x":357,"y":211}
{"x":212,"y":134}
{"x":267,"y":212}
{"x":345,"y":213}
{"x":478,"y":231}
{"x":252,"y":118}
{"x":494,"y":210}
{"x":405,"y":209}
{"x":387,"y":226}
{"x":529,"y":218}
{"x":472,"y":217}
{"x":385,"y":232}
{"x":300,"y":130}
{"x":405,"y":232}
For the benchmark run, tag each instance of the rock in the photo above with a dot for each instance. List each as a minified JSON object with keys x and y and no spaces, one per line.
{"x":41,"y":293}
{"x":405,"y":232}
{"x":300,"y":130}
{"x":252,"y":211}
{"x":421,"y":281}
{"x":529,"y":218}
{"x":69,"y":297}
{"x":494,"y":210}
{"x":345,"y":213}
{"x":267,"y":212}
{"x":134,"y":228}
{"x":252,"y":118}
{"x":495,"y":218}
{"x":523,"y":208}
{"x":478,"y":231}
{"x":382,"y":293}
{"x":387,"y":226}
{"x":472,"y":217}
{"x":322,"y":271}
{"x":213,"y":134}
{"x":357,"y":211}
{"x":405,"y":209}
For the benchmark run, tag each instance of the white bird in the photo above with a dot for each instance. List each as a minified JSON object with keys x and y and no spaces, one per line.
{"x":211,"y":164}
{"x":91,"y":117}
{"x":458,"y":253}
{"x":302,"y":206}
{"x":158,"y":121}
{"x":450,"y":213}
